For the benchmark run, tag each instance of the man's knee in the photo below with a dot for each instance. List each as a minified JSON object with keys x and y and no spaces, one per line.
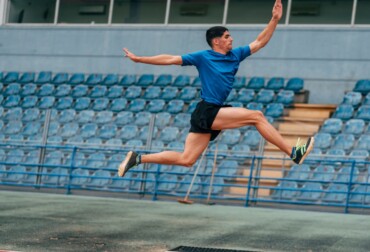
{"x":188,"y":161}
{"x":258,"y":116}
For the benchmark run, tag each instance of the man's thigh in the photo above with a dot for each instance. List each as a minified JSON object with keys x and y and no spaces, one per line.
{"x":231,"y":117}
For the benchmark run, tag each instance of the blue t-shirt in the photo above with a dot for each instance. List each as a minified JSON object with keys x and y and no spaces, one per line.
{"x":216,"y":71}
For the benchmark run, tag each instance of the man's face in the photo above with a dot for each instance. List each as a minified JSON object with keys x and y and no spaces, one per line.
{"x":225,"y":42}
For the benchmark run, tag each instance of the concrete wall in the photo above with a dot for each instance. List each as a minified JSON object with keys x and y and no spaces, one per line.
{"x":330,"y":59}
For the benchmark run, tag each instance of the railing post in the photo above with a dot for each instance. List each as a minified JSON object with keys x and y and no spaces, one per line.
{"x":71,"y":167}
{"x":156,"y":183}
{"x":250,"y":181}
{"x":349,"y":186}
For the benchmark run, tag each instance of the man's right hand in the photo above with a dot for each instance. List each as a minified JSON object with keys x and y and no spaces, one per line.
{"x":130,"y":55}
{"x":277,"y":11}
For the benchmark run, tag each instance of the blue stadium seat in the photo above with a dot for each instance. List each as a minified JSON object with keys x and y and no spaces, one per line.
{"x":63,"y":90}
{"x":118,"y":105}
{"x":31,"y":114}
{"x":176,"y":145}
{"x":265,"y":96}
{"x":232,"y":96}
{"x":175,"y":106}
{"x":135,"y":144}
{"x":97,"y":79}
{"x":79,"y":177}
{"x":275,"y":83}
{"x":245,"y":95}
{"x":100,"y":104}
{"x":55,"y":140}
{"x":144,"y":133}
{"x":60,"y":78}
{"x":15,"y":174}
{"x":163,"y":80}
{"x":295,"y":84}
{"x":169,"y":134}
{"x":110,"y":80}
{"x":363,"y":142}
{"x":183,"y":134}
{"x":96,"y":160}
{"x":128,"y":80}
{"x":299,"y":172}
{"x":332,"y":126}
{"x":29,"y":89}
{"x":181,"y":120}
{"x":124,"y":117}
{"x":181,"y":81}
{"x":152,"y":92}
{"x":188,"y":93}
{"x":196,"y":82}
{"x":85,"y":116}
{"x":64,"y":103}
{"x":354,"y":126}
{"x":162,"y":119}
{"x":69,"y":129}
{"x":82,"y":103}
{"x":359,"y":194}
{"x":114,"y":142}
{"x":359,"y":155}
{"x":99,"y":179}
{"x":29,"y":102}
{"x":10,"y":77}
{"x":184,"y":183}
{"x":11,"y":101}
{"x":240,"y":151}
{"x":323,"y":173}
{"x":75,"y":140}
{"x":32,"y":129}
{"x":76,"y":79}
{"x":80,"y":91}
{"x":32,"y":157}
{"x":344,"y":141}
{"x":98,"y":91}
{"x":137,"y":105}
{"x":344,"y":112}
{"x":54,"y":158}
{"x":103,"y":117}
{"x":366,"y":100}
{"x":12,"y":89}
{"x":43,"y":77}
{"x":166,"y":182}
{"x":335,"y":156}
{"x":67,"y":115}
{"x":256,"y":83}
{"x":78,"y":161}
{"x":227,"y":167}
{"x":94,"y":141}
{"x":53,"y":128}
{"x":285,"y":97}
{"x":88,"y":130}
{"x":221,"y":148}
{"x":363,"y":112}
{"x":108,"y":131}
{"x":310,"y":191}
{"x":128,"y":132}
{"x":239,"y":82}
{"x":15,"y":156}
{"x":133,"y":92}
{"x":27,"y":78}
{"x":362,"y":86}
{"x":274,"y":110}
{"x":217,"y":185}
{"x":13,"y":114}
{"x":1,"y":99}
{"x":285,"y":190}
{"x":335,"y":193}
{"x":146,"y":80}
{"x":191,"y":107}
{"x":156,"y":106}
{"x":344,"y":174}
{"x":230,"y":137}
{"x":255,"y":106}
{"x":57,"y":176}
{"x":46,"y":90}
{"x":251,"y":138}
{"x":115,"y":92}
{"x":143,"y":118}
{"x":352,"y":98}
{"x":169,"y":93}
{"x":121,"y":183}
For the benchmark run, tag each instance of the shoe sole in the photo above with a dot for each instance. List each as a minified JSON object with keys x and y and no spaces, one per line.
{"x":308,"y":150}
{"x":122,"y":167}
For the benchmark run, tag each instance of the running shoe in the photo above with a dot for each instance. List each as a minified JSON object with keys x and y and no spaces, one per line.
{"x":300,"y":151}
{"x":132,"y":159}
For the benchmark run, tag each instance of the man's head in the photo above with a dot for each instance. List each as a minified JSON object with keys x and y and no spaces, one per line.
{"x":219,"y":36}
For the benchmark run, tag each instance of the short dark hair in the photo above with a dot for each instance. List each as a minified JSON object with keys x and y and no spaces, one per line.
{"x":214,"y":32}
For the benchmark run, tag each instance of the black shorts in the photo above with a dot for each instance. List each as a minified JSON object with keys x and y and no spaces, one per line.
{"x":203,"y":116}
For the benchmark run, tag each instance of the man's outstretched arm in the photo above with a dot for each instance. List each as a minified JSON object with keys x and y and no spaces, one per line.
{"x":265,"y":36}
{"x":162,"y":59}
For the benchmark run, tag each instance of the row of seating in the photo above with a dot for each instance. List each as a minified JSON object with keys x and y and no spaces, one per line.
{"x":275,"y":83}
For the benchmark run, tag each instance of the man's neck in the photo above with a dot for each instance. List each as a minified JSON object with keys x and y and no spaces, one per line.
{"x":218,"y":50}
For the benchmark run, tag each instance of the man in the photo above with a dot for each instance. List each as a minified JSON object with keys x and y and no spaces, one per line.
{"x":217,"y":69}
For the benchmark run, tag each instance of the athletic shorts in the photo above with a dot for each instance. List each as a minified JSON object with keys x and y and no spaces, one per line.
{"x":203,"y":116}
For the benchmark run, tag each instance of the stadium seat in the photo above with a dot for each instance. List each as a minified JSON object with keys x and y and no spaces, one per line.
{"x":135,"y":144}
{"x":29,"y":89}
{"x":217,"y":185}
{"x":69,"y":129}
{"x":196,"y":82}
{"x":169,"y":93}
{"x":11,"y":101}
{"x":344,"y":112}
{"x":27,"y":78}
{"x":137,"y":105}
{"x":31,"y":114}
{"x":245,"y":95}
{"x":175,"y":106}
{"x":85,"y":116}
{"x":152,"y":92}
{"x":183,"y":184}
{"x":97,"y":79}
{"x":363,"y":112}
{"x":240,"y":151}
{"x":128,"y":80}
{"x":366,"y":100}
{"x":115,"y":92}
{"x":323,"y":173}
{"x":46,"y":90}
{"x":359,"y":155}
{"x":110,"y":80}
{"x":156,"y":105}
{"x":255,"y":106}
{"x":145,"y":131}
{"x":118,"y":105}
{"x":53,"y":128}
{"x":188,"y":93}
{"x":275,"y":83}
{"x":162,"y":119}
{"x":80,"y":91}
{"x":66,"y":116}
{"x":230,"y":137}
{"x":98,"y":91}
{"x":163,"y":80}
{"x":252,"y":138}
{"x":12,"y":89}
{"x":352,"y":98}
{"x":32,"y":129}
{"x":335,"y":156}
{"x":108,"y":131}
{"x":344,"y":174}
{"x":57,"y":176}
{"x":363,"y":142}
{"x":13,"y":114}
{"x":82,"y":103}
{"x":300,"y":173}
{"x":239,"y":82}
{"x":354,"y":126}
{"x":124,"y":117}
{"x":43,"y":77}
{"x":335,"y":193}
{"x":360,"y":195}
{"x":79,"y":177}
{"x":64,"y":103}
{"x":63,"y":90}
{"x":96,"y":160}
{"x":256,"y":83}
{"x":285,"y":190}
{"x":133,"y":92}
{"x":274,"y":110}
{"x":54,"y":158}
{"x":176,"y":145}
{"x":191,"y":107}
{"x":310,"y":191}
{"x":143,"y":118}
{"x":55,"y":140}
{"x":79,"y":159}
{"x":181,"y":81}
{"x":169,"y":134}
{"x":232,"y":96}
{"x":295,"y":84}
{"x":286,"y":97}
{"x":32,"y":157}
{"x":146,"y":80}
{"x":128,"y":132}
{"x":15,"y":156}
{"x":167,"y":182}
{"x":88,"y":130}
{"x":29,"y":102}
{"x":103,"y":117}
{"x":265,"y":96}
{"x":181,"y":120}
{"x":344,"y":141}
{"x":10,"y":77}
{"x":362,"y":86}
{"x":76,"y":79}
{"x":227,"y":168}
{"x":60,"y":78}
{"x":99,"y":179}
{"x":15,"y":174}
{"x":332,"y":126}
{"x":100,"y":104}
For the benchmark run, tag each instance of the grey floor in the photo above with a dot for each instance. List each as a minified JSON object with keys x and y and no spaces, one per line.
{"x":51,"y":222}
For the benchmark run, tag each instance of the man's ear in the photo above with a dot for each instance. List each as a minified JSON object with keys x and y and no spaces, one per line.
{"x":216,"y":41}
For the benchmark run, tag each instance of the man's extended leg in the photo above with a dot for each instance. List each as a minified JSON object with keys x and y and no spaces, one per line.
{"x":195,"y":144}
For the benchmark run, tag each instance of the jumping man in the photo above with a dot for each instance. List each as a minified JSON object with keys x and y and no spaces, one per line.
{"x":217,"y":69}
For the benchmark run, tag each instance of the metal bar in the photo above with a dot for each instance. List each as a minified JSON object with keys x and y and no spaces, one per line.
{"x":226,"y":9}
{"x":349,"y":186}
{"x":71,"y":170}
{"x":56,"y":15}
{"x":250,"y":182}
{"x":167,"y":15}
{"x":110,"y":15}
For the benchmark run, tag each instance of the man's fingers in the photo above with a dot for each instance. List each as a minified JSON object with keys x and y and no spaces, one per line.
{"x":126,"y":51}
